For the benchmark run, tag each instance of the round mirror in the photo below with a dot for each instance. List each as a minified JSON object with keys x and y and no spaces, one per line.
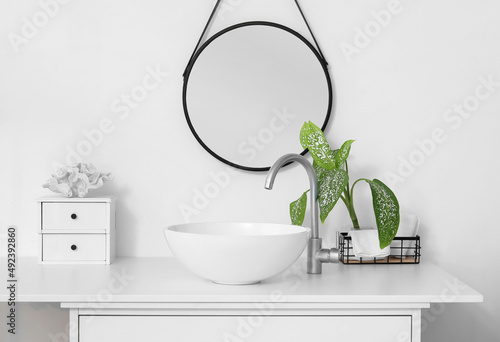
{"x":249,"y":89}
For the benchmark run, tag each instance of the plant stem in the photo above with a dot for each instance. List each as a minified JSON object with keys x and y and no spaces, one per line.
{"x":361,"y":179}
{"x":350,"y":208}
{"x":350,"y":204}
{"x":353,"y":216}
{"x":344,"y":200}
{"x":347,"y":191}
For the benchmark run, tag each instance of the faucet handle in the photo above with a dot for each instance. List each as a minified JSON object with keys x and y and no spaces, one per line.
{"x":328,"y":255}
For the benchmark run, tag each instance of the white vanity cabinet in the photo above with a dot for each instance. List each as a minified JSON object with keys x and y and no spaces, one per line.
{"x":156,"y":299}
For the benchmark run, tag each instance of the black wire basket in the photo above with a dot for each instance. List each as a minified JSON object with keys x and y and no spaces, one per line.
{"x":404,"y":250}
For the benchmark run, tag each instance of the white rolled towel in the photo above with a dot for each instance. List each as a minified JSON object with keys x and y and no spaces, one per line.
{"x":408,"y":227}
{"x":365,"y":244}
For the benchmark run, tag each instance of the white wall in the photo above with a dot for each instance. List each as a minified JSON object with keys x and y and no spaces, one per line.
{"x":68,"y":74}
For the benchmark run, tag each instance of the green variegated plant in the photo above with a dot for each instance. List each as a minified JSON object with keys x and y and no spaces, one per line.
{"x":333,"y":184}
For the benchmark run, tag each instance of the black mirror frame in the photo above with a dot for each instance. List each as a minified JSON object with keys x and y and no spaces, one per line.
{"x":187,"y":73}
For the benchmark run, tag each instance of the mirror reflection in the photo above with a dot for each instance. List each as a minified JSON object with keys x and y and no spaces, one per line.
{"x":249,"y":90}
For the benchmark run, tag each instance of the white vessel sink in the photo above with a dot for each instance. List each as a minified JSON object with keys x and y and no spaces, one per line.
{"x":236,"y":253}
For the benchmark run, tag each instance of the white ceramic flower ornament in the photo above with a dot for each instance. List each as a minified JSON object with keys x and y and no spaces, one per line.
{"x":76,"y":180}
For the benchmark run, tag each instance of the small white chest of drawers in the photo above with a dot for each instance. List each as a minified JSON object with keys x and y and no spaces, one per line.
{"x":77,"y":230}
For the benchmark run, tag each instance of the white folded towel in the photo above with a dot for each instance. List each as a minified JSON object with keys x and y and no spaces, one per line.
{"x":408,"y":227}
{"x":365,"y":244}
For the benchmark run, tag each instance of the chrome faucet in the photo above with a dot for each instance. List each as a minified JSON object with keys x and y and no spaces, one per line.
{"x":315,"y":254}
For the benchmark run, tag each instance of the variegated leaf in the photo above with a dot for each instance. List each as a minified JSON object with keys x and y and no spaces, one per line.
{"x":313,"y":138}
{"x":386,"y":208}
{"x":330,"y":186}
{"x":298,"y":209}
{"x":342,"y":154}
{"x":320,"y":172}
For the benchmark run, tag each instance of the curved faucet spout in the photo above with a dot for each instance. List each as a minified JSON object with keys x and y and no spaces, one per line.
{"x":313,"y":184}
{"x":315,"y":254}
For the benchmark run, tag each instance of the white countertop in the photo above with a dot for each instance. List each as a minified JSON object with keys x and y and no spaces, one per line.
{"x":164,"y":280}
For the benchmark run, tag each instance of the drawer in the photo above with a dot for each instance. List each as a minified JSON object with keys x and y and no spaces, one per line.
{"x":73,"y":247}
{"x":88,"y":216}
{"x":244,"y":328}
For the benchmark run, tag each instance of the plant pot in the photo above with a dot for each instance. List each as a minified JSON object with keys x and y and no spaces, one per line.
{"x":365,"y":244}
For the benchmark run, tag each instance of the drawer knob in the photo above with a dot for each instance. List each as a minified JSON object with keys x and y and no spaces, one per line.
{"x":73,"y":216}
{"x":73,"y":247}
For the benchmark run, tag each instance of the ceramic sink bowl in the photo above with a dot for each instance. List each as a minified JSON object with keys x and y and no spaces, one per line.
{"x":236,"y":253}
